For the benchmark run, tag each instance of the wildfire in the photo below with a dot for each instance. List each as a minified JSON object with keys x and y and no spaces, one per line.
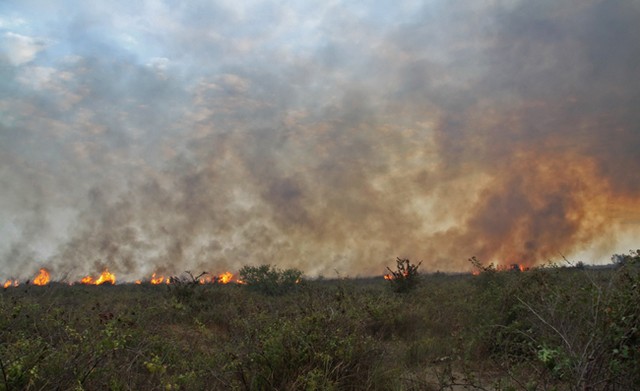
{"x":10,"y":283}
{"x":390,"y":277}
{"x":159,"y":280}
{"x":42,"y":278}
{"x":511,"y":267}
{"x":105,"y":278}
{"x":225,"y":278}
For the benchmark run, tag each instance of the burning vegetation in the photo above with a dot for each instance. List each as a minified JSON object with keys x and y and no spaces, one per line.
{"x":405,"y":274}
{"x":105,"y":277}
{"x":42,"y":278}
{"x":405,"y":277}
{"x":108,"y":278}
{"x":478,"y":267}
{"x":10,"y":283}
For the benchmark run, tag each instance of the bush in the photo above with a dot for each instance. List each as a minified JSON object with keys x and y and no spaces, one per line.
{"x":299,"y":353}
{"x":576,"y":328}
{"x":623,"y":259}
{"x":269,"y":280}
{"x":405,"y":277}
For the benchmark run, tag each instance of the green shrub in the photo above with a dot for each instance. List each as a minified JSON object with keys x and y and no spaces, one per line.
{"x":576,"y":328}
{"x":321,"y":351}
{"x":269,"y":280}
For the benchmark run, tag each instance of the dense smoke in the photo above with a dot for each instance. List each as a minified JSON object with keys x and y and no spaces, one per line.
{"x":329,"y":138}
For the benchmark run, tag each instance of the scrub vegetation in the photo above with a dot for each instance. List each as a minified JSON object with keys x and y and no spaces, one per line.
{"x":548,"y":328}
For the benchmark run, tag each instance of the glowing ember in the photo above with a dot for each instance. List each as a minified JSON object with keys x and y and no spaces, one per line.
{"x":42,"y":278}
{"x":390,"y":277}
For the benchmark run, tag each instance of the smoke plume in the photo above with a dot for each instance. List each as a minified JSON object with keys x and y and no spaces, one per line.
{"x":327,"y":138}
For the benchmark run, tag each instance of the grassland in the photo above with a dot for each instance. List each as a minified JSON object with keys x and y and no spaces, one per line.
{"x":549,"y":328}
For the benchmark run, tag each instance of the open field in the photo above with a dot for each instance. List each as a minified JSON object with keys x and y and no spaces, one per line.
{"x":543,"y":329}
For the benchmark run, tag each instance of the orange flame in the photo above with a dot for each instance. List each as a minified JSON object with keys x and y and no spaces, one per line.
{"x":157,"y":280}
{"x":388,"y":277}
{"x":504,"y":267}
{"x":42,"y":278}
{"x":225,"y":278}
{"x":10,"y":283}
{"x":106,"y":277}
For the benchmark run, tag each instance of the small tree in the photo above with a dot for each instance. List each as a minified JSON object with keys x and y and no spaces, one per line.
{"x":405,"y":277}
{"x":626,"y":259}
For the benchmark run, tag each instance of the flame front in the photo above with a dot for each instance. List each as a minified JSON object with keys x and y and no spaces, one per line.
{"x":157,"y":280}
{"x":42,"y":278}
{"x":225,"y":278}
{"x":106,"y":277}
{"x":388,"y":277}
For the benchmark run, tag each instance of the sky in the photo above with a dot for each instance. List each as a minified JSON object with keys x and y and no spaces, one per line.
{"x":164,"y":136}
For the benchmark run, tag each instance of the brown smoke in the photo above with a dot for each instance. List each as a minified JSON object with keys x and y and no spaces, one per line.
{"x":509,"y":132}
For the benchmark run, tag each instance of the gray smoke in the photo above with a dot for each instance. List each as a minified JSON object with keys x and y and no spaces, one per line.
{"x":207,"y":137}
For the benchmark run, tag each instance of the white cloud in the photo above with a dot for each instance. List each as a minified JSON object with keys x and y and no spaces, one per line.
{"x":21,"y":49}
